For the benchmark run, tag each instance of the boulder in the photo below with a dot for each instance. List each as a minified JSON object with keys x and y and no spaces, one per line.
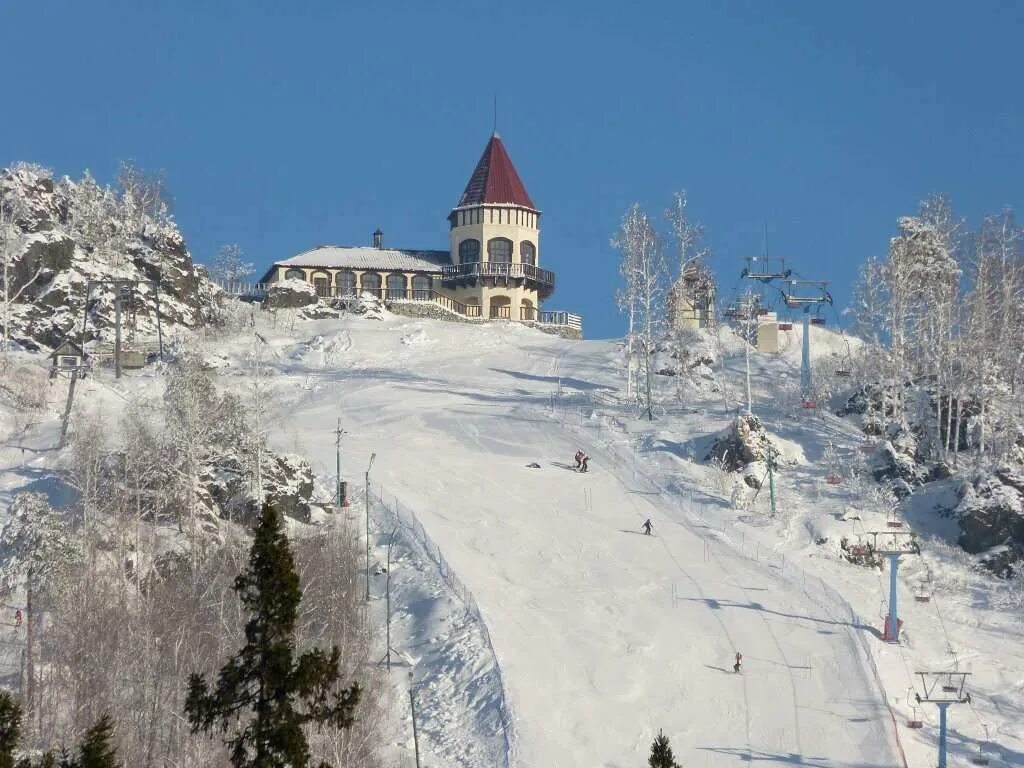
{"x":742,"y":443}
{"x":290,"y":294}
{"x":991,"y":513}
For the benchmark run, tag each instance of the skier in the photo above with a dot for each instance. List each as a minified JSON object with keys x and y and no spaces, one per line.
{"x":647,"y":526}
{"x":739,"y":658}
{"x":584,"y":459}
{"x":579,"y":459}
{"x":17,"y":618}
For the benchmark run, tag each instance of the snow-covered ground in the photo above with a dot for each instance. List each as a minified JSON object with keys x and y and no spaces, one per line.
{"x":601,"y":635}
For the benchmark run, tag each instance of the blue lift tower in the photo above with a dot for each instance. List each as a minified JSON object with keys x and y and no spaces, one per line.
{"x":943,"y":689}
{"x":893,"y":545}
{"x":807,"y":295}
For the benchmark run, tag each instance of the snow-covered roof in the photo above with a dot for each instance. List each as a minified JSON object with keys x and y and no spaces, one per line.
{"x":367,"y":257}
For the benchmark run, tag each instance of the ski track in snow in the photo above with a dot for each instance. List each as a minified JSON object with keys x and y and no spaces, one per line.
{"x":600,"y":634}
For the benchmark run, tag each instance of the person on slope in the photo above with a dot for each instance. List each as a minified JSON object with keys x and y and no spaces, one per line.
{"x":647,"y":526}
{"x":584,"y":459}
{"x":579,"y":459}
{"x":739,"y":658}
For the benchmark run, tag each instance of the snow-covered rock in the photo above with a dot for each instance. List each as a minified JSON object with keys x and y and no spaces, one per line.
{"x":290,"y":294}
{"x":991,"y":517}
{"x":66,"y":234}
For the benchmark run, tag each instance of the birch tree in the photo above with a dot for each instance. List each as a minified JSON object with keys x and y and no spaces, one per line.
{"x":37,"y":550}
{"x":229,"y":265}
{"x":627,"y":297}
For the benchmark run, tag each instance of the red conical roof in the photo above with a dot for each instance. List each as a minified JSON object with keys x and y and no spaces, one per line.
{"x":495,"y":179}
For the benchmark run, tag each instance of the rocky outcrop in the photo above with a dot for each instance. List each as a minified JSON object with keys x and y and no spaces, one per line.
{"x":743,"y":442}
{"x":70,"y":240}
{"x":287,"y":481}
{"x":991,"y":514}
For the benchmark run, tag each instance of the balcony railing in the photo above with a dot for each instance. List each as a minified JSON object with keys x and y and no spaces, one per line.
{"x":427,"y":295}
{"x":498,"y":269}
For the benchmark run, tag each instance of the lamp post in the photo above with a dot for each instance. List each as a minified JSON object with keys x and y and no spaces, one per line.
{"x":368,"y":468}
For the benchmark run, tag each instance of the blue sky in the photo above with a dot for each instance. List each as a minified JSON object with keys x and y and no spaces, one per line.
{"x":287,"y":125}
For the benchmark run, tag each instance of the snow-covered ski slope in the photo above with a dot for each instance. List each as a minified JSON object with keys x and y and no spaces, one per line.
{"x":605,"y":635}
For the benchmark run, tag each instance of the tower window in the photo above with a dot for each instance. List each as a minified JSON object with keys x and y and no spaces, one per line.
{"x":528,"y":253}
{"x":499,"y":249}
{"x":469,"y":250}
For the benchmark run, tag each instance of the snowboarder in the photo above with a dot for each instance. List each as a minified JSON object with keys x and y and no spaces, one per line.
{"x":739,"y":658}
{"x":579,"y":459}
{"x":584,"y":459}
{"x":647,"y":526}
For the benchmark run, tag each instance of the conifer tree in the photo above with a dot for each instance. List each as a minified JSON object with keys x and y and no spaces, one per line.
{"x":661,"y":753}
{"x":10,"y":728}
{"x":95,"y":750}
{"x":265,"y":678}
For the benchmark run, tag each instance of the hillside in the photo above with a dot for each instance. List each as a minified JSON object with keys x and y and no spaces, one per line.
{"x":544,"y":627}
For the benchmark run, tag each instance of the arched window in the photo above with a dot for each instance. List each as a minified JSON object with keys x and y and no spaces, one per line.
{"x":472,"y":306}
{"x":501,"y":308}
{"x":322,"y":284}
{"x":369,"y":282}
{"x":421,"y":287}
{"x":294,"y":274}
{"x":469,"y":251}
{"x":528,"y":253}
{"x":396,"y":285}
{"x":527,"y":311}
{"x":346,"y":283}
{"x":499,"y":249}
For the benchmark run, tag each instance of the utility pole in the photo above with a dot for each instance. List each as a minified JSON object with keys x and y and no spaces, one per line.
{"x":943,"y":689}
{"x":894,"y":545}
{"x":412,"y":705}
{"x":342,"y":497}
{"x":368,"y":468}
{"x":387,"y":605}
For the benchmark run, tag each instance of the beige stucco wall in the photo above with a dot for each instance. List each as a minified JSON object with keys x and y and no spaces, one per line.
{"x":482,"y":295}
{"x":311,"y":272}
{"x":517,"y":233}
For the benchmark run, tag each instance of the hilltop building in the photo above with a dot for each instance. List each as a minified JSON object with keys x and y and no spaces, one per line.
{"x":490,"y":272}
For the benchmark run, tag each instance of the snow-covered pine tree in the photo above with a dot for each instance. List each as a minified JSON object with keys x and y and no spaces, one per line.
{"x":661,"y":753}
{"x":283,"y":692}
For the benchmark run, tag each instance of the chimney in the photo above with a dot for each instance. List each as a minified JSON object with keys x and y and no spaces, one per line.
{"x":378,"y":239}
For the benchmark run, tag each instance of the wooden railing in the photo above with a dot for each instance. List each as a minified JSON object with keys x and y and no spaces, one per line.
{"x":498,"y":269}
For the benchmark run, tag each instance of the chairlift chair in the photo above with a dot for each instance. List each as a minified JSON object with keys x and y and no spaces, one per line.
{"x":981,"y":758}
{"x":867,"y":447}
{"x":913,"y":721}
{"x":948,"y":686}
{"x":922,"y":595}
{"x":809,"y":405}
{"x":843,"y":373}
{"x":833,"y":479}
{"x":817,"y":320}
{"x":785,"y":326}
{"x":893,"y":521}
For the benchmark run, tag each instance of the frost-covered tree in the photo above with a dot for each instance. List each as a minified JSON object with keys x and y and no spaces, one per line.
{"x":36,"y":550}
{"x":644,"y":271}
{"x":229,"y":265}
{"x":627,"y":297}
